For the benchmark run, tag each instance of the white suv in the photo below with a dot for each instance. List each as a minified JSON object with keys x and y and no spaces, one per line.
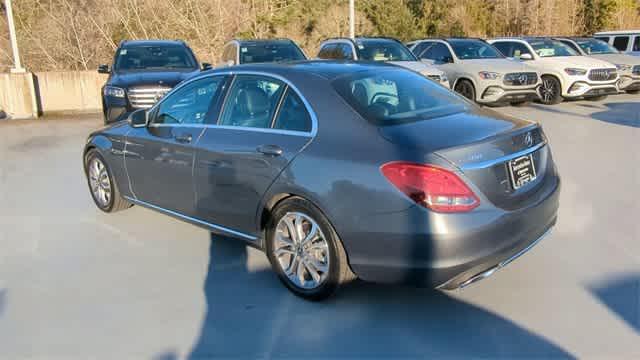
{"x":628,"y":66}
{"x":478,"y":71}
{"x":627,"y":41}
{"x":379,"y":49}
{"x":565,"y":73}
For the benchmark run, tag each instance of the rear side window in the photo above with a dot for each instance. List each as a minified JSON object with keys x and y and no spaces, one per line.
{"x":394,"y":96}
{"x":293,"y":114}
{"x":328,"y":51}
{"x":252,"y":101}
{"x":621,"y":42}
{"x":636,"y":44}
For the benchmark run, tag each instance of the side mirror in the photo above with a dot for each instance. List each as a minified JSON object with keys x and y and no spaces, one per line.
{"x":206,"y":66}
{"x":138,"y":118}
{"x":103,"y":69}
{"x":526,"y":57}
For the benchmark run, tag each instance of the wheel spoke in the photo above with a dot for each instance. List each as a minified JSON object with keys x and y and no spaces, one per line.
{"x":300,"y":272}
{"x":317,"y":265}
{"x":284,"y":251}
{"x":312,"y":235}
{"x":298,"y":228}
{"x":291,"y":228}
{"x":312,"y":271}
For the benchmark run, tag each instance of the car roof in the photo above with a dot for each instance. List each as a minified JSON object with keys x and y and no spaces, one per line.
{"x":619,"y":32}
{"x":264,"y":41}
{"x":327,"y":69}
{"x":363,"y":38}
{"x":159,"y":42}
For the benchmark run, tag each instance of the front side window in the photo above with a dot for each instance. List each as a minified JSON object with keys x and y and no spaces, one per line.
{"x":383,"y":50}
{"x":328,"y":51}
{"x":252,"y":101}
{"x":593,"y":46}
{"x":293,"y":114}
{"x":345,"y":52}
{"x":474,"y":49}
{"x":603,"y":38}
{"x":636,"y":44}
{"x":269,"y":52}
{"x":418,"y":49}
{"x":393,"y":96}
{"x":570,"y":44}
{"x":135,"y":58}
{"x":551,"y":48}
{"x":439,"y":53}
{"x":189,"y":104}
{"x":621,"y":42}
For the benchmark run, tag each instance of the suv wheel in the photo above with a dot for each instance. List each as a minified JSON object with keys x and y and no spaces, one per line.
{"x":305,"y":251}
{"x":550,"y":90}
{"x":466,"y":89}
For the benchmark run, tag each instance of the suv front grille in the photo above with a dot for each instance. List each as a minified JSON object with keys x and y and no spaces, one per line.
{"x":602,"y":74}
{"x":520,"y":79}
{"x":145,"y":97}
{"x":636,"y":70}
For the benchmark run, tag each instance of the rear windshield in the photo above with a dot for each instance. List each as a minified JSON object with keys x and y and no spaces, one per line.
{"x":383,"y":50}
{"x":265,"y":53}
{"x":474,"y":49}
{"x":132,"y":58}
{"x":395,"y":96}
{"x":594,"y":46}
{"x":551,"y":48}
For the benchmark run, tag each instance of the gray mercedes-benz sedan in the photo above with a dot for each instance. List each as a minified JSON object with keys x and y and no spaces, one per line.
{"x":336,"y":170}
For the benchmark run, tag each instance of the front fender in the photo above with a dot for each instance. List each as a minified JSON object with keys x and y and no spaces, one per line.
{"x":111,"y":148}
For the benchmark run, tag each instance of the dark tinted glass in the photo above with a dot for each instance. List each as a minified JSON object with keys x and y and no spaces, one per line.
{"x":154,"y":57}
{"x":345,"y":52}
{"x":621,"y":42}
{"x":439,"y":52}
{"x":593,"y":46}
{"x":393,"y":96}
{"x":189,"y":104}
{"x":551,"y":48}
{"x":474,"y":49}
{"x":252,"y":101}
{"x":293,"y":114}
{"x":636,"y":44}
{"x":261,"y":53}
{"x":571,"y":45}
{"x":328,"y":51}
{"x":383,"y":50}
{"x":420,"y":47}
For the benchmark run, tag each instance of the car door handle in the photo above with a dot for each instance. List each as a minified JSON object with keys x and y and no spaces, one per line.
{"x":183,"y":138}
{"x":273,"y":150}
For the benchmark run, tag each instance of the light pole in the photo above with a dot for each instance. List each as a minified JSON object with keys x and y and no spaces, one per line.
{"x":352,"y":19}
{"x":17,"y":66}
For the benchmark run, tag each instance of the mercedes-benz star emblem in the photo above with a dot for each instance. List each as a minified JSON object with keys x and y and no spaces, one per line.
{"x":528,"y":139}
{"x":523,"y":79}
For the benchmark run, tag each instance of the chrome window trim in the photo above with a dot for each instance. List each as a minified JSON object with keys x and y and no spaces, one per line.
{"x":233,"y":72}
{"x":191,"y":219}
{"x":502,"y":159}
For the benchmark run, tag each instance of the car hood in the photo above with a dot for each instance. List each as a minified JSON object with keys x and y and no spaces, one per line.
{"x":583,"y":62}
{"x":162,"y":78}
{"x":618,"y":58}
{"x":419,"y":66}
{"x":495,"y":65}
{"x":439,"y":133}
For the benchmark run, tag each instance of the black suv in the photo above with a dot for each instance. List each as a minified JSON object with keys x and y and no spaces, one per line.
{"x":237,"y":52}
{"x":143,"y":71}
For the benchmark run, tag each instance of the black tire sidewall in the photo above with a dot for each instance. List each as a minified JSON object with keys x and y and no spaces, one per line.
{"x":558,"y":97}
{"x":303,"y":206}
{"x":88,"y":157}
{"x":468,"y":83}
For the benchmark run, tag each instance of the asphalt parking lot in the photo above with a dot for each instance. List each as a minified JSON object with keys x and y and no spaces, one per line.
{"x":76,"y":283}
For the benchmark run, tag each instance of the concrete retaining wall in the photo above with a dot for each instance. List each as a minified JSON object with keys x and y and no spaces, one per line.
{"x":27,"y":95}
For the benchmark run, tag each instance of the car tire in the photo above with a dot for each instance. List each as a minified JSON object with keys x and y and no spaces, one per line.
{"x":466,"y":89}
{"x":312,"y":267}
{"x":634,"y":92}
{"x":550,"y":90}
{"x":103,"y":189}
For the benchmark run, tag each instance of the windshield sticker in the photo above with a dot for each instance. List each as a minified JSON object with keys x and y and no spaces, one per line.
{"x":123,"y":52}
{"x":244,"y":49}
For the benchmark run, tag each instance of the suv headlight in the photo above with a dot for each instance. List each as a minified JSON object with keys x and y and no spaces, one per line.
{"x":623,"y":67}
{"x":488,"y":75}
{"x":575,"y":71}
{"x":113,"y":91}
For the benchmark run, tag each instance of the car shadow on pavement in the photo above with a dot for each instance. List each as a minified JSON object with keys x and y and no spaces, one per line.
{"x":624,"y":113}
{"x":250,"y":314}
{"x":621,"y":294}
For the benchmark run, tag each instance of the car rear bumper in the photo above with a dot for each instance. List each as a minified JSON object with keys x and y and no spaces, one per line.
{"x":450,"y":250}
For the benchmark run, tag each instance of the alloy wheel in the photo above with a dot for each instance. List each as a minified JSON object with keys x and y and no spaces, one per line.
{"x":301,"y":250}
{"x":548,"y":91}
{"x":100,"y":182}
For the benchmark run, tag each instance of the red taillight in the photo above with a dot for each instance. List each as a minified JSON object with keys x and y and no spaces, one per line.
{"x":430,"y":186}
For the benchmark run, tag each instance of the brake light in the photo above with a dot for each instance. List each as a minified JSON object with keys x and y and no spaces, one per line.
{"x":431,"y":186}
